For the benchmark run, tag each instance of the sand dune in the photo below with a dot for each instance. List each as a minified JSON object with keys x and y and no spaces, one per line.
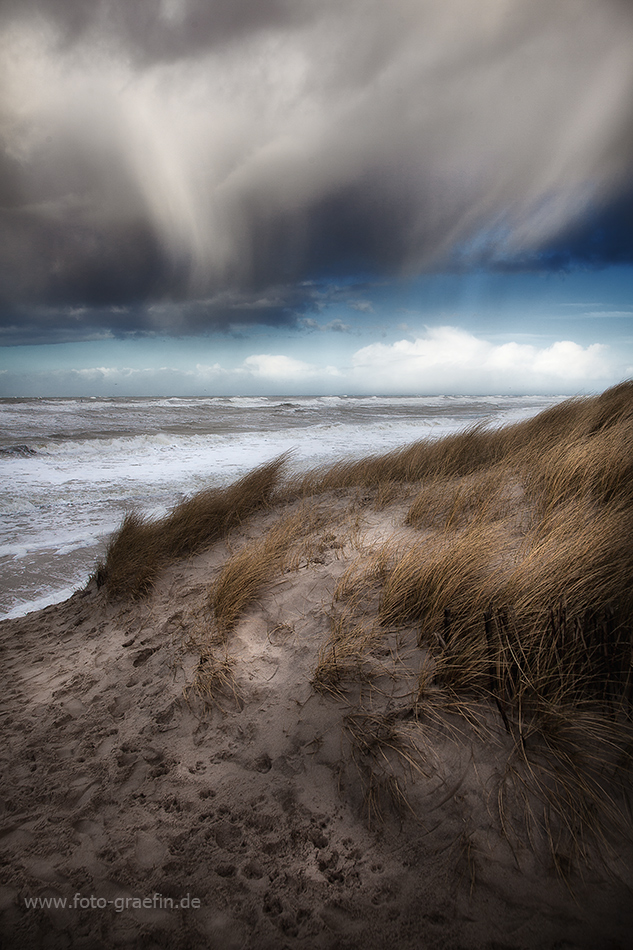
{"x":313,"y":771}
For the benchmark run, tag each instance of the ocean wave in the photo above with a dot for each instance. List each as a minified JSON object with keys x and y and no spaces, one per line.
{"x":54,"y":595}
{"x":17,"y":451}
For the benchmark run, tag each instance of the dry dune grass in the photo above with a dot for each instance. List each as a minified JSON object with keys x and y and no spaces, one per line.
{"x":346,"y":654}
{"x":599,"y":467}
{"x":214,"y":679}
{"x":354,"y":629}
{"x":513,"y":564}
{"x":523,"y":446}
{"x":142,"y":547}
{"x":436,"y":575}
{"x":450,"y":503}
{"x":520,"y":589}
{"x":459,"y":454}
{"x":246,"y":573}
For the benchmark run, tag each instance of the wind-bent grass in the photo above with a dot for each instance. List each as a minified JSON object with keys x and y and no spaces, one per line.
{"x":436,"y":575}
{"x":142,"y":547}
{"x":514,"y":566}
{"x":460,"y":454}
{"x":246,"y":573}
{"x":521,"y":592}
{"x":598,"y":467}
{"x":450,"y":503}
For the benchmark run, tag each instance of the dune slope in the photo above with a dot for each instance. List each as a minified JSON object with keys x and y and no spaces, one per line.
{"x":386,"y":704}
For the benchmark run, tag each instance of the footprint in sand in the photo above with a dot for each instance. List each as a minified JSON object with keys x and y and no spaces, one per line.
{"x":149,"y":852}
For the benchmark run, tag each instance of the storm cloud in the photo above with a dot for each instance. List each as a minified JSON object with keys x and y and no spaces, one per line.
{"x":185,"y":165}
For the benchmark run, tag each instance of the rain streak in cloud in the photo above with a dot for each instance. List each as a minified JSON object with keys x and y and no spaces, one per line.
{"x":185,"y":166}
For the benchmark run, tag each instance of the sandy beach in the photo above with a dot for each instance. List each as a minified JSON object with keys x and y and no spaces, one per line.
{"x":304,"y":773}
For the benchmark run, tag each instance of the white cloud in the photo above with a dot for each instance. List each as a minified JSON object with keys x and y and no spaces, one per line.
{"x":447,"y":359}
{"x":567,"y":360}
{"x":209,"y":372}
{"x":279,"y":367}
{"x":283,"y":369}
{"x":443,"y":360}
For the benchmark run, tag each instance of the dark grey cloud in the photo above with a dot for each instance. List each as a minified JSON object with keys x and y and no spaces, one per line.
{"x":604,"y":236}
{"x":333,"y":326}
{"x":159,"y":154}
{"x":158,"y":30}
{"x":228,"y":312}
{"x":75,"y":263}
{"x":601,"y":237}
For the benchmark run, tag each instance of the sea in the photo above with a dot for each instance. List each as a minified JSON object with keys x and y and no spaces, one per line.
{"x":71,"y":468}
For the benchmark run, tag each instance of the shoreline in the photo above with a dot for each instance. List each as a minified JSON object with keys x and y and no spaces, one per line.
{"x":59,"y":504}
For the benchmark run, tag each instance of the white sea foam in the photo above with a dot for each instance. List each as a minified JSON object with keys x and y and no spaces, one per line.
{"x":51,"y":596}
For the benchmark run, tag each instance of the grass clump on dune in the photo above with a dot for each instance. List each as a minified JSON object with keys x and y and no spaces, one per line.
{"x":521,"y":446}
{"x":450,"y":503}
{"x":487,"y":584}
{"x":247,"y":572}
{"x":245,"y":576}
{"x":142,"y":547}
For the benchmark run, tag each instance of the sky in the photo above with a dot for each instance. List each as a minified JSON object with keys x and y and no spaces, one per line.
{"x":223,"y":197}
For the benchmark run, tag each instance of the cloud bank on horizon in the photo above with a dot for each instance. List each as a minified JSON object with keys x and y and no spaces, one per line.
{"x":183,"y":166}
{"x":443,"y":359}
